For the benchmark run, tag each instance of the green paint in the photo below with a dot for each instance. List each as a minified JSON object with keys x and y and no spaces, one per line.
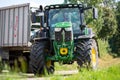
{"x":58,"y":56}
{"x":63,"y":44}
{"x":63,"y":25}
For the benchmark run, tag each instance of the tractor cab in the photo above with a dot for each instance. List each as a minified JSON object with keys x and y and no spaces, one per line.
{"x":60,"y":14}
{"x":70,"y":13}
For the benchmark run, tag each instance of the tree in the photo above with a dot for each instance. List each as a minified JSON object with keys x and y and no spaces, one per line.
{"x":109,"y":24}
{"x":115,"y":40}
{"x":105,"y":25}
{"x":109,"y":3}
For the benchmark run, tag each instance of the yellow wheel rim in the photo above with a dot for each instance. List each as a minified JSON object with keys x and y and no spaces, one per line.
{"x":93,"y":56}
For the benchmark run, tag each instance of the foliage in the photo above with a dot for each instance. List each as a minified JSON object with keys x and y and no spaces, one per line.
{"x":103,"y":47}
{"x":89,"y":2}
{"x":109,"y":3}
{"x":109,"y":24}
{"x":115,"y":44}
{"x":115,"y":40}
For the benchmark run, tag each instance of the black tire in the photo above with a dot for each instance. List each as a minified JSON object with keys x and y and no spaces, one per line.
{"x":84,"y":53}
{"x":37,"y":62}
{"x":37,"y":59}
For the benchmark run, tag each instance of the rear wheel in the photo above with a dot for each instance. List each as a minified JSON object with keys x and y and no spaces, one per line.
{"x":37,"y":62}
{"x":87,"y":54}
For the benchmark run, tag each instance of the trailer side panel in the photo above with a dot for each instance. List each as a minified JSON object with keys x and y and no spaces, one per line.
{"x":14,"y":25}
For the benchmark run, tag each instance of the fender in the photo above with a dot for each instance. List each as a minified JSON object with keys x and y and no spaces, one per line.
{"x":89,"y":34}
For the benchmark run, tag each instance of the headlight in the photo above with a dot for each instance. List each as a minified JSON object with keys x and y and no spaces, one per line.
{"x":68,"y":29}
{"x":57,"y":29}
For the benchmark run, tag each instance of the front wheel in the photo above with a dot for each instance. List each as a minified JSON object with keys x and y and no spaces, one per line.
{"x":94,"y":54}
{"x":37,"y":59}
{"x":38,"y":65}
{"x":87,"y":53}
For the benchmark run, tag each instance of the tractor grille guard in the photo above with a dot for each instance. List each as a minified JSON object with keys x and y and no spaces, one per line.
{"x":59,"y":35}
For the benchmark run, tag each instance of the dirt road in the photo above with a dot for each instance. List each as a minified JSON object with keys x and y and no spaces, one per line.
{"x":107,"y":62}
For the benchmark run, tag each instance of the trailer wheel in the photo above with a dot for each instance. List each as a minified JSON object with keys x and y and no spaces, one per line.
{"x":87,"y":54}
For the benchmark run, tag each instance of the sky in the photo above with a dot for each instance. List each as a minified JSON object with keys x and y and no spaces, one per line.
{"x":33,"y":3}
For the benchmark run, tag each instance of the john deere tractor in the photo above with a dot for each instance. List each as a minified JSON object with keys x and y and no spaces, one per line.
{"x":63,"y":37}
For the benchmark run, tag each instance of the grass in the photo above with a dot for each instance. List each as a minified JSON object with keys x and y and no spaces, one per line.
{"x":11,"y":76}
{"x":111,"y":73}
{"x":103,"y":47}
{"x":65,"y":66}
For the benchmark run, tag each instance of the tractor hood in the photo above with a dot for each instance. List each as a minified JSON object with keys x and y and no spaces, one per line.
{"x":63,"y":32}
{"x":63,"y":43}
{"x":63,"y":25}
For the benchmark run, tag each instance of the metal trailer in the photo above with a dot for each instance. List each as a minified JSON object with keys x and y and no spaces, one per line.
{"x":14,"y":26}
{"x":14,"y":31}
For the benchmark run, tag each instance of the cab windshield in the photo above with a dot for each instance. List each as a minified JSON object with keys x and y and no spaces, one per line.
{"x":64,"y":15}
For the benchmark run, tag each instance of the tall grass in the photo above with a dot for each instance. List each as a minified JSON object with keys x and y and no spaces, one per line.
{"x":111,"y":73}
{"x":66,"y":66}
{"x":103,"y":47}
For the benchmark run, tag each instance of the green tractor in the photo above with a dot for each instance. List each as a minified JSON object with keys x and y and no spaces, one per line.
{"x":64,"y":38}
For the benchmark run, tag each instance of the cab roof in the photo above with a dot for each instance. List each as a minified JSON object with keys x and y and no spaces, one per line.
{"x":57,"y":6}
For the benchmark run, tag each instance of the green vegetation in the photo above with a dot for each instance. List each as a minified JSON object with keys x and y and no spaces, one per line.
{"x":115,"y":40}
{"x":111,"y":73}
{"x":66,"y":66}
{"x":103,"y":47}
{"x":11,"y":76}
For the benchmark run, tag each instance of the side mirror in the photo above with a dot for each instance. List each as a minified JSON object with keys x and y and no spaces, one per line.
{"x":41,"y":8}
{"x":33,"y":17}
{"x":95,"y":13}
